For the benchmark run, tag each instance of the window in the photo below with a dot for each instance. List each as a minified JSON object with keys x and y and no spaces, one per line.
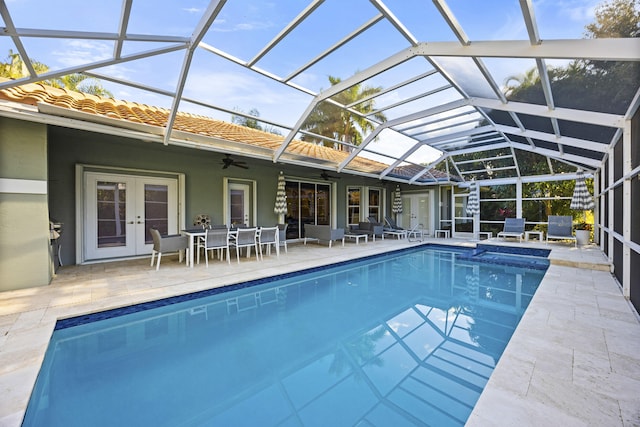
{"x":353,"y":205}
{"x":363,"y":202}
{"x":375,"y":202}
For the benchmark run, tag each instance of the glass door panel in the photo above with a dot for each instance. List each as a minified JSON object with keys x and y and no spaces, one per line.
{"x":239,"y":204}
{"x":323,"y":202}
{"x":292,"y":216}
{"x":307,"y":203}
{"x":156,"y":209}
{"x":111,"y":208}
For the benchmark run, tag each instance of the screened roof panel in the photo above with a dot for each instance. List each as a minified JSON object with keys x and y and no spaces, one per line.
{"x":532,"y":163}
{"x":392,"y":144}
{"x":73,"y":16}
{"x":176,"y":18}
{"x":422,"y":155}
{"x":489,"y":20}
{"x":271,"y":61}
{"x":244,"y":27}
{"x":422,"y":102}
{"x":536,"y":123}
{"x":499,"y":117}
{"x":422,"y":19}
{"x":589,"y":131}
{"x":465,"y":74}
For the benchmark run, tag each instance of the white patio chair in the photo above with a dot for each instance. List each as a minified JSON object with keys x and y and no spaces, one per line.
{"x":282,"y":236}
{"x":513,"y":227}
{"x":246,"y":238}
{"x":216,"y":239}
{"x":269,"y":236}
{"x":561,"y":228}
{"x":165,"y":244}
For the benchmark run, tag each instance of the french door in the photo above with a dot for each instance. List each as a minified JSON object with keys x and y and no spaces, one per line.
{"x":120,"y":209}
{"x":418,"y":209}
{"x":239,"y":204}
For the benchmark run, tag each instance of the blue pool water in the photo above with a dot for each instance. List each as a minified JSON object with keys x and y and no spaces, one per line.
{"x":403,"y":339}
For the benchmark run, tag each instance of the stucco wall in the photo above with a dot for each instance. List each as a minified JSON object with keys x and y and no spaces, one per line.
{"x":203,"y":176}
{"x":24,"y":217}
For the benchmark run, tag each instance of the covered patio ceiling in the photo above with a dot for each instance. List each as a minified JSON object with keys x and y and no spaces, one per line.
{"x":440,"y":70}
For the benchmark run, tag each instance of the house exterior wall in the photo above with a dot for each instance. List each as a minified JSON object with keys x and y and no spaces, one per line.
{"x":25,"y":259}
{"x":203,"y":171}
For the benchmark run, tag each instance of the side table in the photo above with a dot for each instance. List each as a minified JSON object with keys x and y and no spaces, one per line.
{"x":528,"y":234}
{"x":445,"y":233}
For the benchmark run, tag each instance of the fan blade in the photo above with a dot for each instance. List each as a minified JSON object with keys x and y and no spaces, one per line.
{"x":240,"y":165}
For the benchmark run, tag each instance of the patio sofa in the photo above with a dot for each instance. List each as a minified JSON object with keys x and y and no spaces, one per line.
{"x":372,"y":229}
{"x":323,"y":233}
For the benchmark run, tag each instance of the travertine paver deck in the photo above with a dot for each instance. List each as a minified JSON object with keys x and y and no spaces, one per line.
{"x":574,"y":359}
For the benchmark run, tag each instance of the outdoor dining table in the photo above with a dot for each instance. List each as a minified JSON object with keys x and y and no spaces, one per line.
{"x":194,"y":233}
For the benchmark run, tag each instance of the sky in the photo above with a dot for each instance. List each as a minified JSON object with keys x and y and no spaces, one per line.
{"x":243,"y":27}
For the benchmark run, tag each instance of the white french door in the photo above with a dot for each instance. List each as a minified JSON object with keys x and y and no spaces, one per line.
{"x":120,"y":209}
{"x":418,"y":209}
{"x":239,"y":206}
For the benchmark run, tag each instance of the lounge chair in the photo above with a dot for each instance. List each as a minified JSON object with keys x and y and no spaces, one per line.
{"x":561,"y":228}
{"x":391,"y":224}
{"x":392,"y":229}
{"x":513,"y":227}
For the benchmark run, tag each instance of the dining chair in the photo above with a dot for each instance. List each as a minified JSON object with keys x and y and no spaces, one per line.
{"x":282,"y":236}
{"x":269,"y":236}
{"x":164,"y":244}
{"x":246,"y":238}
{"x":216,"y":239}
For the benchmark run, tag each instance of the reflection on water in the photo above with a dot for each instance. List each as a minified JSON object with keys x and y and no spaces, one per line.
{"x":408,"y":339}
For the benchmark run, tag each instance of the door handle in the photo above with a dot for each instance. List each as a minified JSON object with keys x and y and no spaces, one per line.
{"x":140,"y":222}
{"x":130,"y":222}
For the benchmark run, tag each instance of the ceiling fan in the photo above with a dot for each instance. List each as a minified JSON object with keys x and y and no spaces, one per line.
{"x":324,"y":175}
{"x":228,"y":161}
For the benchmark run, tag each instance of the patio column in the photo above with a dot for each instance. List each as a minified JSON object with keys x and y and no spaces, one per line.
{"x":518,"y":198}
{"x":626,"y":209}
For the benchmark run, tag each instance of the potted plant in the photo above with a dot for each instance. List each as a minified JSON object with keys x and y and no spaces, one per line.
{"x":583,"y":232}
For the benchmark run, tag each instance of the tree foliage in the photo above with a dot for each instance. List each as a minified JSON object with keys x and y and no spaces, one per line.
{"x":15,"y":68}
{"x":335,"y":122}
{"x":605,"y":86}
{"x":252,"y":122}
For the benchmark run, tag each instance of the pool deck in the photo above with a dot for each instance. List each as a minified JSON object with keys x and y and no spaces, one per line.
{"x":574,"y":359}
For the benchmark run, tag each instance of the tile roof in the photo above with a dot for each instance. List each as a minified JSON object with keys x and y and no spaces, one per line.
{"x":34,"y":93}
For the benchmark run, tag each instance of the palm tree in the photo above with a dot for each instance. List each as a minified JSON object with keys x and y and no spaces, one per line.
{"x":332,"y":121}
{"x":15,"y":68}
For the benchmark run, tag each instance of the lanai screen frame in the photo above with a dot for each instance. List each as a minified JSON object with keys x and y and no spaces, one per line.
{"x":613,"y":163}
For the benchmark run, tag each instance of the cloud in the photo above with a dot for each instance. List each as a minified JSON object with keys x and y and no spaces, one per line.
{"x":192,"y":9}
{"x":231,"y":90}
{"x":241,"y":26}
{"x":77,"y":52}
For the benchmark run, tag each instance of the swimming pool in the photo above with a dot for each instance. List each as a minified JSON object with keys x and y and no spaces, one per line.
{"x":406,"y":338}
